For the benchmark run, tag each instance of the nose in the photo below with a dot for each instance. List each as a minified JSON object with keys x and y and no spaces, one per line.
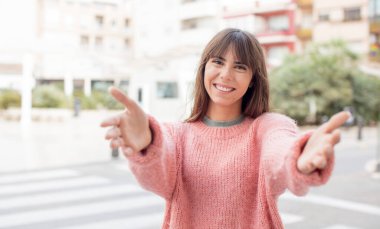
{"x":225,"y":73}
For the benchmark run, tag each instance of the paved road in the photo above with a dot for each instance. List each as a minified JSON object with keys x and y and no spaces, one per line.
{"x":60,"y":175}
{"x":105,"y":195}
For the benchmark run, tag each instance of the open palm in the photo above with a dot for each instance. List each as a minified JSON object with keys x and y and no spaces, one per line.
{"x":320,"y":146}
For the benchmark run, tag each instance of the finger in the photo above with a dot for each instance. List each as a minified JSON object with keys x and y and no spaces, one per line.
{"x":305,"y":166}
{"x":336,"y":121}
{"x":328,"y":150}
{"x":121,"y":97}
{"x":335,"y":136}
{"x":116,"y":143}
{"x":113,"y":133}
{"x":319,"y":162}
{"x":127,"y":151}
{"x":114,"y":121}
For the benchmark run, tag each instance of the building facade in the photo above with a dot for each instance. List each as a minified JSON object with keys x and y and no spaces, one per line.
{"x":87,"y":45}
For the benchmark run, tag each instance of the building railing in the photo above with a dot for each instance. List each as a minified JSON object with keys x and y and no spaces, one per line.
{"x":304,"y":33}
{"x":304,"y":3}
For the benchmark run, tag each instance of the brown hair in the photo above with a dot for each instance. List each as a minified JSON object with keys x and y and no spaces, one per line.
{"x":248,"y":50}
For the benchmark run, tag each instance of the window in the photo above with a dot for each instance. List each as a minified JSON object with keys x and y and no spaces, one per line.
{"x":189,"y":24}
{"x":99,"y":20}
{"x":101,"y":85}
{"x":278,"y":23}
{"x":98,"y":42}
{"x":124,"y":85}
{"x":127,"y":43}
{"x":167,"y":90}
{"x":198,"y":23}
{"x":127,"y":23}
{"x":324,"y":16}
{"x":84,"y":41}
{"x":352,"y":14}
{"x":374,"y":10}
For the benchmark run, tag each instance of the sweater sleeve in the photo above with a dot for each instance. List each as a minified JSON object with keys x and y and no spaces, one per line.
{"x":281,"y":147}
{"x":155,"y":167}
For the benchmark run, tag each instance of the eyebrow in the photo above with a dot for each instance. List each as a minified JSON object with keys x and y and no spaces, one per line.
{"x":236,"y":62}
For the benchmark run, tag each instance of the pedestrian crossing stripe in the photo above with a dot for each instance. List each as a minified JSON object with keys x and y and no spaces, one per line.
{"x":334,"y":202}
{"x":51,"y":185}
{"x":139,"y":222}
{"x":44,"y":197}
{"x":78,"y":210}
{"x":38,"y":175}
{"x":290,"y":218}
{"x":67,"y":196}
{"x":340,"y":227}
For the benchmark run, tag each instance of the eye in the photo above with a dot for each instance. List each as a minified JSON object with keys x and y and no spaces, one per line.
{"x":241,"y":67}
{"x":217,"y":61}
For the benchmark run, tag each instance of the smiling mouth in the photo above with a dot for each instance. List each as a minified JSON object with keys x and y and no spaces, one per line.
{"x":223,"y":88}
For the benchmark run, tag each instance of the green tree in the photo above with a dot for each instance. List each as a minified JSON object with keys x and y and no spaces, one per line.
{"x":48,"y":96}
{"x":9,"y":98}
{"x":366,"y":96}
{"x":326,"y":75}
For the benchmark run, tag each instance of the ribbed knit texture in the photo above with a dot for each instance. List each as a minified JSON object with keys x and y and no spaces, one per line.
{"x":224,"y":177}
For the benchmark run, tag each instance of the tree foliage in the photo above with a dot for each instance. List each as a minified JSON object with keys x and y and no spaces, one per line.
{"x":326,"y":75}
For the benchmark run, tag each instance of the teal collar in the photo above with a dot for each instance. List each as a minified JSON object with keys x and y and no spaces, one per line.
{"x":210,"y":122}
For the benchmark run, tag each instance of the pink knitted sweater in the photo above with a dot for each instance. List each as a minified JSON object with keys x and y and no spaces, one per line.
{"x":224,"y":177}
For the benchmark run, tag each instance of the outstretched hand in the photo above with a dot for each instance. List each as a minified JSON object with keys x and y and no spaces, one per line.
{"x":320,"y":146}
{"x":130,"y":129}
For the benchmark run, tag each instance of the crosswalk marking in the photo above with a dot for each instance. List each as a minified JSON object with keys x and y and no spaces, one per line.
{"x":122,"y":167}
{"x":71,"y":195}
{"x":37,"y":216}
{"x":39,"y":175}
{"x":290,"y":218}
{"x":51,"y":185}
{"x":334,"y":202}
{"x":149,"y":220}
{"x":69,"y":199}
{"x":340,"y":227}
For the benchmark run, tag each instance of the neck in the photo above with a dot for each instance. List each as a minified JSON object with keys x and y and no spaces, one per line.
{"x":220,"y":113}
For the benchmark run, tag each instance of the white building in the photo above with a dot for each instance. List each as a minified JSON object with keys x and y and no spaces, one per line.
{"x":151,"y":48}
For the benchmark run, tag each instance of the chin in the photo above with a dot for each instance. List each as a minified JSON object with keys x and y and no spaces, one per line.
{"x":224,"y":103}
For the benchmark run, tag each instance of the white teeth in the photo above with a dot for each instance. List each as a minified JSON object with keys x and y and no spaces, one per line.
{"x":221,"y":88}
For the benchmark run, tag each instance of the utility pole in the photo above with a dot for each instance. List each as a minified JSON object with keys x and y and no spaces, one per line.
{"x":26,"y":94}
{"x":377,"y":159}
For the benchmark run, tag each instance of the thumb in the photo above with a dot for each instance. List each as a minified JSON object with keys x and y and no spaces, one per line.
{"x":120,"y":96}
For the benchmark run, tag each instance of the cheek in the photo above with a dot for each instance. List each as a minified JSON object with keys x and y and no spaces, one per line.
{"x":208,"y":76}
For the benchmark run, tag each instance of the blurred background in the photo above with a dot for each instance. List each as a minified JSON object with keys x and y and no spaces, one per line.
{"x":58,"y":57}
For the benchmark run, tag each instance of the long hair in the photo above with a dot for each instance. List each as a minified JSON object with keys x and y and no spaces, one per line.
{"x":248,"y":50}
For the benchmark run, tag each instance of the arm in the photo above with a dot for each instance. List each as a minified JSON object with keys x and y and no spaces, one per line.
{"x":281,"y":147}
{"x":156,"y":166}
{"x":149,"y":146}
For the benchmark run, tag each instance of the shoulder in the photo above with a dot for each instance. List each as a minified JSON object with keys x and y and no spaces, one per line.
{"x":270,"y":121}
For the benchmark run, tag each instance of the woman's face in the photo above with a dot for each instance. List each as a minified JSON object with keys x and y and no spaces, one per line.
{"x":226,"y":80}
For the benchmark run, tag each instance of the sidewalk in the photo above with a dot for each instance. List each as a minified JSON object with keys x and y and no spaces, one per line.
{"x":81,"y":140}
{"x":53,"y":144}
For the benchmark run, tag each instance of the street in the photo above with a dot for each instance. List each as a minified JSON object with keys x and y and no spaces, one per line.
{"x":51,"y":190}
{"x":105,"y":195}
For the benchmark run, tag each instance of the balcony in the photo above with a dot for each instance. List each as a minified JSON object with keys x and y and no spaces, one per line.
{"x":269,"y":8}
{"x":374,"y":27}
{"x":195,"y":36}
{"x":374,"y":53}
{"x":198,"y":9}
{"x":304,"y":3}
{"x":304,"y":33}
